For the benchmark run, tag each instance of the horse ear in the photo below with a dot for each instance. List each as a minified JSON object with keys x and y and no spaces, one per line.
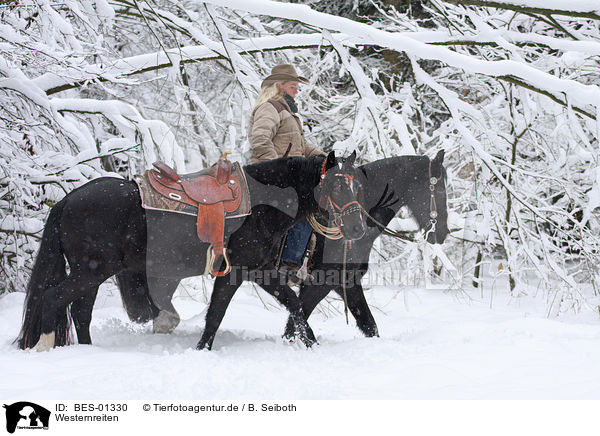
{"x":350,"y":159}
{"x":330,"y":161}
{"x":439,"y":158}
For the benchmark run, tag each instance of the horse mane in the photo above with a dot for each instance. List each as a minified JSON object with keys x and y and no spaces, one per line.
{"x":388,"y":195}
{"x":297,"y":172}
{"x":388,"y":198}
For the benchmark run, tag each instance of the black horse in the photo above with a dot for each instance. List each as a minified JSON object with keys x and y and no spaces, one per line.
{"x":102,"y":230}
{"x":413,"y":181}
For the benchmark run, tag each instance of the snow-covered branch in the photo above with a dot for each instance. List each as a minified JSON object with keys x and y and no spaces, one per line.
{"x":576,"y":93}
{"x":577,"y":8}
{"x":123,"y":68}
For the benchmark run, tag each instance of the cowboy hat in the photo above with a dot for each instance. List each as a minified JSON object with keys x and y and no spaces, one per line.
{"x":282,"y":73}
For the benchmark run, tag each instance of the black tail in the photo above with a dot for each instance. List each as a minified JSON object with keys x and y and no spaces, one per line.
{"x":136,"y":296}
{"x":48,"y":271}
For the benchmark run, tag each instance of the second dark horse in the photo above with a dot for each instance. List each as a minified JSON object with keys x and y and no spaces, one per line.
{"x":415,"y":182}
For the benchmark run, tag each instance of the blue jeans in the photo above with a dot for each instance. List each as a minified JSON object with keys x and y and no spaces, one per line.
{"x":296,"y":241}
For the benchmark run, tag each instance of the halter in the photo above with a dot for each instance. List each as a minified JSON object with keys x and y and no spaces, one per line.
{"x":433,"y":214}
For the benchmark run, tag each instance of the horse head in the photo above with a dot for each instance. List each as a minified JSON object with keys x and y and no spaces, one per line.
{"x":339,"y":192}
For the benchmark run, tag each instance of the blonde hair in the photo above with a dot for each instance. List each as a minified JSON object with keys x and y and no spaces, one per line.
{"x":268,"y":93}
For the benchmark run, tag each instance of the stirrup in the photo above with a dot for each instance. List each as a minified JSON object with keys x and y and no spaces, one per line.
{"x":227,"y":269}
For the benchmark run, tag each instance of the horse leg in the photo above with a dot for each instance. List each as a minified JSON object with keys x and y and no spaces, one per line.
{"x":135,"y":295}
{"x":223,"y":291}
{"x":298,"y":320}
{"x":310,"y":296}
{"x":161,"y":291}
{"x":81,"y":311}
{"x":55,"y":302}
{"x":360,"y":310}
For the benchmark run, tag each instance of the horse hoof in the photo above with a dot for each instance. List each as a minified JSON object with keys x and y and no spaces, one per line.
{"x":46,"y":342}
{"x":370,"y":332}
{"x":308,"y":339}
{"x":165,"y":322}
{"x":202,"y":346}
{"x":309,"y":342}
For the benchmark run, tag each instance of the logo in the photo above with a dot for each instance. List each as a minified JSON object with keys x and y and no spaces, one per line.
{"x":25,"y":415}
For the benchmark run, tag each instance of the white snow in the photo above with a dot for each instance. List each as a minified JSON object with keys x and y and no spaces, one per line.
{"x":433,"y":345}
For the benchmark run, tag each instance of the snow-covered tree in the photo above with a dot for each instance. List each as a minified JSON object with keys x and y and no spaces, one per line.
{"x":509,"y":89}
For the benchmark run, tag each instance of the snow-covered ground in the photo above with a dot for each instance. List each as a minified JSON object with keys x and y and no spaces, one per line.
{"x":433,"y":345}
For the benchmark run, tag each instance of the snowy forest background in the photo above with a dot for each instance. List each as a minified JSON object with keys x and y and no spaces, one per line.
{"x":509,"y":88}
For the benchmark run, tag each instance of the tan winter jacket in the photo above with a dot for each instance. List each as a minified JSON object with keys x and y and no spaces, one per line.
{"x":270,"y":134}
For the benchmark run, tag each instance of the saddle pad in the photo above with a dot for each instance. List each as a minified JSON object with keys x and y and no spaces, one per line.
{"x":155,"y":201}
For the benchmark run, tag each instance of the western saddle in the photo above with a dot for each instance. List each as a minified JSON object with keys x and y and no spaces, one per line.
{"x":214,"y":191}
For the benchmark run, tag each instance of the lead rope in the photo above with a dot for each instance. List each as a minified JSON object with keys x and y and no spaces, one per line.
{"x":335,"y":234}
{"x":344,"y":283}
{"x":329,"y":232}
